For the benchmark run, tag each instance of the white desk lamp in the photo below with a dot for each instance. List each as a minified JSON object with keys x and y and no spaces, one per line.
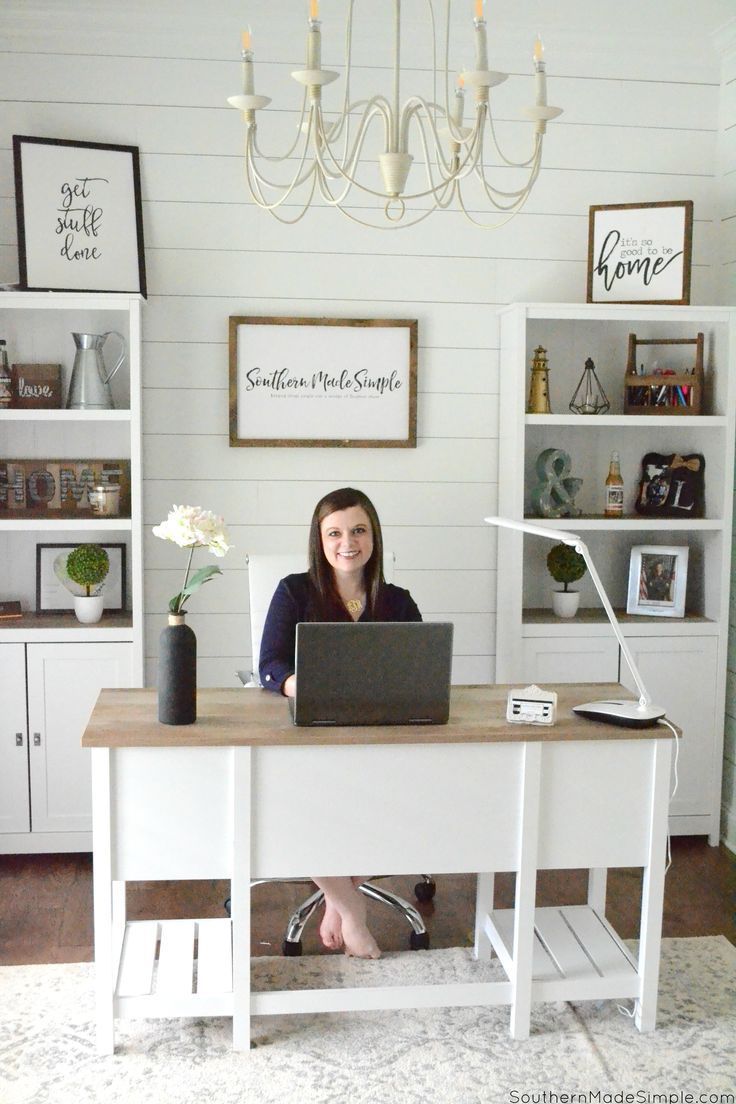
{"x":639,"y":714}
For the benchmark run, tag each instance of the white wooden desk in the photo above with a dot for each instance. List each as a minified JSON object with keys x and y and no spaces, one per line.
{"x":234,"y":796}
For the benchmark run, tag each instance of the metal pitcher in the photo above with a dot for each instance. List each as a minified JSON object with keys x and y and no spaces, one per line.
{"x":90,"y":384}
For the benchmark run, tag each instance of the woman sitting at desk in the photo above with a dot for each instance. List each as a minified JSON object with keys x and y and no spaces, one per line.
{"x":345,"y":582}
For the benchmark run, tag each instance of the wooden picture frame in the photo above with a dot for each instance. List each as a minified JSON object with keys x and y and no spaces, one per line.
{"x":78,"y":209}
{"x":323,"y":382}
{"x":640,"y":252}
{"x":657,"y":580}
{"x":52,"y":596}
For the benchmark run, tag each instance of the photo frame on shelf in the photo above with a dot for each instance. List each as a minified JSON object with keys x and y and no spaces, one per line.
{"x":78,"y":210}
{"x":657,"y":580}
{"x":640,"y":252}
{"x":323,"y":382}
{"x":55,"y":591}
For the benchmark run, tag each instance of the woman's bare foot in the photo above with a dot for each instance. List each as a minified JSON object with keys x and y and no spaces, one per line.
{"x":330,"y":929}
{"x":357,"y":939}
{"x":344,"y":923}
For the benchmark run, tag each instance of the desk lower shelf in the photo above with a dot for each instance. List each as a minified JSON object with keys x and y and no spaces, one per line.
{"x":577,"y":954}
{"x":184,"y":968}
{"x":175,"y":968}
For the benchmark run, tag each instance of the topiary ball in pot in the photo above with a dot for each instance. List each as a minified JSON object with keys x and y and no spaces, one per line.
{"x":87,"y":565}
{"x":566,"y":566}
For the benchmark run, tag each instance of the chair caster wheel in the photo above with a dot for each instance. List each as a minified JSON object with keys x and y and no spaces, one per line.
{"x":291,"y":950}
{"x":419,"y":941}
{"x":226,"y":905}
{"x":425,"y":891}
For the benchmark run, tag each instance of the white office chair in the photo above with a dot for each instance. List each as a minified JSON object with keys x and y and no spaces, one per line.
{"x":264,"y":574}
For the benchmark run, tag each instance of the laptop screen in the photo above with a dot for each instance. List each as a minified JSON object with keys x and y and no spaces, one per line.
{"x":372,"y":673}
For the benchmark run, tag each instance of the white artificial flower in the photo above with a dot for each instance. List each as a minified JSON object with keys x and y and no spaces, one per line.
{"x":192,"y":527}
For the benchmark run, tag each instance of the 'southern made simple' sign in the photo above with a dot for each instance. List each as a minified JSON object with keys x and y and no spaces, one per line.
{"x":323,"y":382}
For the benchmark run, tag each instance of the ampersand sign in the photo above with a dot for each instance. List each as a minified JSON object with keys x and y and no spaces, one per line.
{"x":554,"y":495}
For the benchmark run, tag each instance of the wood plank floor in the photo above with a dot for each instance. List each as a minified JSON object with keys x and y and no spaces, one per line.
{"x":46,"y":903}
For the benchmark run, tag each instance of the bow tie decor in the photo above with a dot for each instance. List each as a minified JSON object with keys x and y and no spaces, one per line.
{"x":672,"y":486}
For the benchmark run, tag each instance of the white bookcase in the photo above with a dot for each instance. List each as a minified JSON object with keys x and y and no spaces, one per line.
{"x":682,"y":660}
{"x":51,"y":666}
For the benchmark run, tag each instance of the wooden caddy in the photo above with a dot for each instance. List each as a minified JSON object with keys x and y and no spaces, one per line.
{"x":681,"y":393}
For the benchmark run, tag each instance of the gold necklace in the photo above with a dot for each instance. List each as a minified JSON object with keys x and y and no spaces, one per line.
{"x":354,"y":605}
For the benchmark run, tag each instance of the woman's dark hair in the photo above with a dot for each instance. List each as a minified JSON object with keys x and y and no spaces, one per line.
{"x":320,"y":572}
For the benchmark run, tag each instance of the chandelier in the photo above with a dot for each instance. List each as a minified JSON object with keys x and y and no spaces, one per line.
{"x":328,"y":156}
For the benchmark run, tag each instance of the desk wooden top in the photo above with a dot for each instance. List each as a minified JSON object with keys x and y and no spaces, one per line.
{"x":240,"y":717}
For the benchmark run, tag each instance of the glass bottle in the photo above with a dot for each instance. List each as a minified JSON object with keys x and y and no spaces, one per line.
{"x":614,"y":489}
{"x":5,"y":382}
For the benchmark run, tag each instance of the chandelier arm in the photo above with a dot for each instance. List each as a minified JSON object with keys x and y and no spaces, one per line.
{"x":289,"y":152}
{"x":255,"y":189}
{"x":377,"y":105}
{"x":256,"y":178}
{"x":506,"y":160}
{"x":417,"y":109}
{"x":516,"y":196}
{"x":489,"y":225}
{"x":343,"y":118}
{"x":389,"y":226}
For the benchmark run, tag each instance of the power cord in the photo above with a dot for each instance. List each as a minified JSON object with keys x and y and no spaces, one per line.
{"x":673,"y":730}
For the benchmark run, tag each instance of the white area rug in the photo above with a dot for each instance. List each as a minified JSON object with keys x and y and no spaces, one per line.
{"x":447,"y":1056}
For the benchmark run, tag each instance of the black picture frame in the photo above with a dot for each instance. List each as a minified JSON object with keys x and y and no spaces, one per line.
{"x":42,"y":565}
{"x":79,"y":216}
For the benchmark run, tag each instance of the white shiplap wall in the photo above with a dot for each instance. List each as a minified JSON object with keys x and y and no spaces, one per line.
{"x":727,"y":171}
{"x":641,"y":123}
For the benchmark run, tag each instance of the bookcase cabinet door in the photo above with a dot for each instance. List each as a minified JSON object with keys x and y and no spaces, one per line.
{"x":680,"y":674}
{"x":15,"y":815}
{"x":63,"y":683}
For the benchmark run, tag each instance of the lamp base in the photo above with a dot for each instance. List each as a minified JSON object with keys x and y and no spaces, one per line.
{"x":629,"y":714}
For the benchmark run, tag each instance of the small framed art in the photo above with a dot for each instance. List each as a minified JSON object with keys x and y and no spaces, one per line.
{"x":78,"y":208}
{"x":657,"y":580}
{"x":640,"y":252}
{"x":55,"y":591}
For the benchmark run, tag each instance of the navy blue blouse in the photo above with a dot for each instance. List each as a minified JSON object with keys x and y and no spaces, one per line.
{"x":293,"y":602}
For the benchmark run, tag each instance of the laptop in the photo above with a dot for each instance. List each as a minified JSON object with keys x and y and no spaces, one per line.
{"x":372,"y":673}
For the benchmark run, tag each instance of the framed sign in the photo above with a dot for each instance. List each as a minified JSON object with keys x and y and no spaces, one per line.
{"x":61,"y":488}
{"x":657,"y":580}
{"x":640,"y":253}
{"x":78,"y":207}
{"x":346,"y":383}
{"x":55,"y":591}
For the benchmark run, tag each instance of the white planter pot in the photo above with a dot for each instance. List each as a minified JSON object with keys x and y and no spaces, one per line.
{"x":88,"y":610}
{"x":565,"y":602}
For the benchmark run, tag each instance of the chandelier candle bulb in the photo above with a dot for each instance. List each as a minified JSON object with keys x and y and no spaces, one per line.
{"x":247,"y":56}
{"x":313,"y":11}
{"x":314,"y":45}
{"x":481,"y":44}
{"x":457,"y":115}
{"x":540,"y":75}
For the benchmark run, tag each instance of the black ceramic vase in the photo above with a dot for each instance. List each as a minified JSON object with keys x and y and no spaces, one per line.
{"x":177,"y":673}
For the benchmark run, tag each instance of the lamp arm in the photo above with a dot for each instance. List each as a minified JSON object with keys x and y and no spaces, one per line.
{"x":582,"y":548}
{"x":574,"y":541}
